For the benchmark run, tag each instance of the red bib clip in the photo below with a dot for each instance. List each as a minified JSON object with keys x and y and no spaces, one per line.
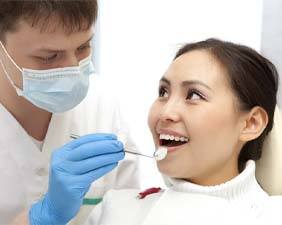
{"x":149,"y":191}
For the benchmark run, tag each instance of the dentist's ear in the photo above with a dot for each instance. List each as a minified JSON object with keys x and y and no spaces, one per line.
{"x":254,"y":124}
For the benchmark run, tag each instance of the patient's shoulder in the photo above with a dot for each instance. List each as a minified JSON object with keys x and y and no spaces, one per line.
{"x":134,"y":196}
{"x":275,"y":200}
{"x":273,"y":207}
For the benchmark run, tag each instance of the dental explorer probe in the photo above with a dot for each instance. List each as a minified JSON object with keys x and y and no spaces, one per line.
{"x":74,"y":136}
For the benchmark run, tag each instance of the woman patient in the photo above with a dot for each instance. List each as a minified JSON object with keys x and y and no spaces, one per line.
{"x":214,"y":109}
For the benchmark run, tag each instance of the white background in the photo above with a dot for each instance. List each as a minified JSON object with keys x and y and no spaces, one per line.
{"x":272,"y":35}
{"x":136,"y":40}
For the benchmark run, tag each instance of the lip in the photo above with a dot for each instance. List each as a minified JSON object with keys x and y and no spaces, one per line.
{"x":170,"y":132}
{"x":174,"y":133}
{"x":175,"y":148}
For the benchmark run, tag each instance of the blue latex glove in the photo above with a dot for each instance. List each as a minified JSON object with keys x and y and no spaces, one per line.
{"x":73,"y":168}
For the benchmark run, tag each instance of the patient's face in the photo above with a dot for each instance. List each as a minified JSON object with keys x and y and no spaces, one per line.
{"x":198,"y":110}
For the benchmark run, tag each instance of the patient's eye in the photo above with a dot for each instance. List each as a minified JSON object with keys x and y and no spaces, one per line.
{"x":194,"y":95}
{"x":163,"y":93}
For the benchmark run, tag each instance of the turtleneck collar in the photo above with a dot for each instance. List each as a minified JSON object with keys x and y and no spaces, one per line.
{"x":239,"y":186}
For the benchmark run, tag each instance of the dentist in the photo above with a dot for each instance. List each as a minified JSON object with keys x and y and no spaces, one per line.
{"x":47,"y":92}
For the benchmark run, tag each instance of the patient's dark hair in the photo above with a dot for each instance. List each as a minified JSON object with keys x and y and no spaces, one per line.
{"x":253,"y":78}
{"x":72,"y":15}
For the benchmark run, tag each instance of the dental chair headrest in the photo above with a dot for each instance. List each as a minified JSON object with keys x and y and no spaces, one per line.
{"x":269,"y":167}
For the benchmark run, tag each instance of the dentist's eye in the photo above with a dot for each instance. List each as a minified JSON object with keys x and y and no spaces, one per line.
{"x":194,"y":95}
{"x":48,"y":59}
{"x":163,"y":92}
{"x":84,"y":47}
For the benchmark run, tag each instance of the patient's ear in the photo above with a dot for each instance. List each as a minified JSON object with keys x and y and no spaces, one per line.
{"x":255,"y":122}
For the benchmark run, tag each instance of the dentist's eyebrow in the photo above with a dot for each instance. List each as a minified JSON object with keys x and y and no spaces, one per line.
{"x":187,"y":83}
{"x":47,"y":50}
{"x":86,"y":42}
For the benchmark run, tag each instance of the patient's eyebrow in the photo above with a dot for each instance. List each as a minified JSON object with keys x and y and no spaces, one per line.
{"x":195,"y":82}
{"x":187,"y":83}
{"x":165,"y":80}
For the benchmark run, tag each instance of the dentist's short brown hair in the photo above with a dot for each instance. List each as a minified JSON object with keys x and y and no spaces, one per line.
{"x":72,"y":15}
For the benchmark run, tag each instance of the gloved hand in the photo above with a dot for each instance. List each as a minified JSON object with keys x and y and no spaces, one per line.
{"x":73,"y":168}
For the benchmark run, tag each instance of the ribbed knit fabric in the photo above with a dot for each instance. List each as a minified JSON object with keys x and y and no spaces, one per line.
{"x":243,"y":190}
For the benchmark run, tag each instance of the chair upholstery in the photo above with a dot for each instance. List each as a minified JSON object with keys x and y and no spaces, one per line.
{"x":269,"y":167}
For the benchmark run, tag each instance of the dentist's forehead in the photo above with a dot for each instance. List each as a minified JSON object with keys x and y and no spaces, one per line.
{"x":35,"y":40}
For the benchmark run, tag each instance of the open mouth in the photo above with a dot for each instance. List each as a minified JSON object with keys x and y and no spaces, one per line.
{"x":172,"y":141}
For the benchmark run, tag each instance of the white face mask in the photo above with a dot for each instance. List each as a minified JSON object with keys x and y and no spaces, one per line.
{"x":54,"y":90}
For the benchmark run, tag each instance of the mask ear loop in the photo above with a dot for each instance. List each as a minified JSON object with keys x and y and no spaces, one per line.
{"x":18,"y":90}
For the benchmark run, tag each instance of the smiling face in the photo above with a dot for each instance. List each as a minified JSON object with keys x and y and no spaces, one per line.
{"x":197,"y":110}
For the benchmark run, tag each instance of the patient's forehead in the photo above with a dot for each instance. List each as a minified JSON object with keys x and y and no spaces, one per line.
{"x":199,"y":65}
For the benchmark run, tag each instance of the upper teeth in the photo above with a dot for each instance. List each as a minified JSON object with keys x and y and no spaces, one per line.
{"x":171,"y":137}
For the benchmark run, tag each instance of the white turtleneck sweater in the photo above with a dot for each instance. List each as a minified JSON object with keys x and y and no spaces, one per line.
{"x":238,"y":201}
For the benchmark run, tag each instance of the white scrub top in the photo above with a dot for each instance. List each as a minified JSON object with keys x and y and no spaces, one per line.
{"x":24,"y":167}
